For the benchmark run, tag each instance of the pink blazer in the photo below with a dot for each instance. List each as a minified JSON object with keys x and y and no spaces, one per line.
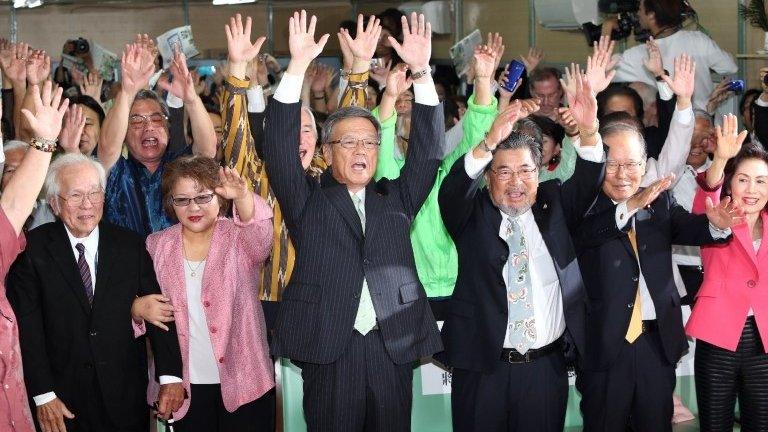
{"x":735,"y":280}
{"x":233,"y":311}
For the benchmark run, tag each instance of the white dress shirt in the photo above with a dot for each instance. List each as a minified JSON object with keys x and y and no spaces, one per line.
{"x":705,"y":52}
{"x":622,"y":216}
{"x":547,"y":295}
{"x":203,"y":368}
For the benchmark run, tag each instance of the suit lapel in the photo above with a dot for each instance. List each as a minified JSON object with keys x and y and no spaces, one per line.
{"x":61,"y":251}
{"x":744,"y":238}
{"x":602,"y":203}
{"x":338,"y":195}
{"x":762,"y":253}
{"x":106,"y":256}
{"x":374,"y":206}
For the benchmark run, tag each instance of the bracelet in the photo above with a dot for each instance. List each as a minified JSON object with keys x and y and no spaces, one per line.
{"x":419,"y":74}
{"x":44,"y":145}
{"x":590,"y":133}
{"x":345,"y":73}
{"x":358,"y":85}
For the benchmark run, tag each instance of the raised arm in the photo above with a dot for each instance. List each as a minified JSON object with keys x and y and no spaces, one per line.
{"x":21,"y":192}
{"x":13,"y":60}
{"x":362,"y":47}
{"x":137,"y":67}
{"x":283,"y":120}
{"x":397,"y":82}
{"x":239,"y":146}
{"x":183,"y":87}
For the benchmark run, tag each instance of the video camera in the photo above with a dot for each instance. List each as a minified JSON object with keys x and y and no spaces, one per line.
{"x":628,"y":21}
{"x":78,"y":46}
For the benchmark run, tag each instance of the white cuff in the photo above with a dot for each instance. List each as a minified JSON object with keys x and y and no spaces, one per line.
{"x":169,"y":379}
{"x":173,"y":102}
{"x":665,"y":93}
{"x":593,"y":154}
{"x":44,"y":398}
{"x":342,"y":85}
{"x":425,"y":94}
{"x":717,"y":233}
{"x":623,"y":215}
{"x":256,"y":99}
{"x":684,"y":117}
{"x":473,"y":166}
{"x":289,"y":90}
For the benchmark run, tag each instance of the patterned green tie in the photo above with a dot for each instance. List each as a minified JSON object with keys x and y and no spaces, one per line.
{"x":521,"y":334}
{"x":365,"y":320}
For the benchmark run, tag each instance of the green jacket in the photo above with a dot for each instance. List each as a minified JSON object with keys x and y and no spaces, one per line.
{"x":435,"y":254}
{"x":567,"y":165}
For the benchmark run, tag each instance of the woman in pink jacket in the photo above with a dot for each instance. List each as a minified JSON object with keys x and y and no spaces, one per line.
{"x":208,"y":266}
{"x":730,"y":315}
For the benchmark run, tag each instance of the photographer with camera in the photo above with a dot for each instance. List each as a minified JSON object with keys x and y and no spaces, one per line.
{"x":663,"y":20}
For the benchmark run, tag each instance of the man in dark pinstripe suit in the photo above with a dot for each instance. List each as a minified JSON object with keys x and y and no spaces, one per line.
{"x":354,"y":316}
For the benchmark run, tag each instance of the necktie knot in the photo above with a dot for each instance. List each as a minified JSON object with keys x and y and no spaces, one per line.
{"x":80,"y":248}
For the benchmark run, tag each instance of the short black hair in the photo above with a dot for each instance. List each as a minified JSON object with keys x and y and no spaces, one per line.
{"x":745,"y":98}
{"x":517,"y":140}
{"x":620,"y":90}
{"x":549,"y":128}
{"x":391,"y":19}
{"x":91,"y":103}
{"x":450,"y":111}
{"x":668,"y":13}
{"x":543,"y":73}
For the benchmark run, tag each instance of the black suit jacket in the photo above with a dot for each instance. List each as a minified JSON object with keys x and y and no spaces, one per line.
{"x":473,"y":333}
{"x":319,"y":305}
{"x":63,"y":339}
{"x":611,"y":273}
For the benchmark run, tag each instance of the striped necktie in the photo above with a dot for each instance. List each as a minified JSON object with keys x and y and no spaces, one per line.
{"x":85,"y":272}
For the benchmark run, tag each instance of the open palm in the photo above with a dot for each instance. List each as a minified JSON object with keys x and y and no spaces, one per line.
{"x":301,"y":39}
{"x":729,"y":141}
{"x":417,"y":42}
{"x":364,"y":44}
{"x":49,"y":110}
{"x":683,"y":81}
{"x":239,"y":45}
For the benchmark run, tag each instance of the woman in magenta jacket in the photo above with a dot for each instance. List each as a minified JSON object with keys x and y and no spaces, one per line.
{"x":208,"y":265}
{"x":730,"y":315}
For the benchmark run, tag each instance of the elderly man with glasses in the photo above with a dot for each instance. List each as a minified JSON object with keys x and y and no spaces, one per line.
{"x":74,"y":291}
{"x":140,"y":120}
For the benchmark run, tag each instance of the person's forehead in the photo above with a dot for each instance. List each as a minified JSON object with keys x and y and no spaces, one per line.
{"x":354,"y":126}
{"x":90,"y":113}
{"x":549,"y":83}
{"x":512,"y":158}
{"x":623,"y":145}
{"x":752,"y":168}
{"x":78,"y":176}
{"x":145,"y":106}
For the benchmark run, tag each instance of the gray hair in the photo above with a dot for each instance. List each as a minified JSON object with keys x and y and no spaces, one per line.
{"x":311,"y":115}
{"x":12,"y":145}
{"x":615,"y":127}
{"x":528,"y":126}
{"x":52,"y":187}
{"x":518,"y":140}
{"x":145,"y":94}
{"x":345,"y":113}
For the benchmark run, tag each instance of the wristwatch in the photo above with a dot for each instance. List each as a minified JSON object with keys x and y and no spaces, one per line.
{"x":43,"y":144}
{"x":660,"y":77}
{"x":419,"y":74}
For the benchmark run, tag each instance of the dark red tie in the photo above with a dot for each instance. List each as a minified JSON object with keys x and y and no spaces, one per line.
{"x":85,"y":272}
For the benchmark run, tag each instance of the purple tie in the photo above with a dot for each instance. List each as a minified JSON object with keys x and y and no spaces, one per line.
{"x":85,"y":272}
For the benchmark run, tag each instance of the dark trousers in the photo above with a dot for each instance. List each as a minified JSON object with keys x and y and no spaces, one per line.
{"x":636,"y":390}
{"x":722,"y":376}
{"x":361,"y":391}
{"x":519,"y":397}
{"x":91,"y":414}
{"x":207,"y":413}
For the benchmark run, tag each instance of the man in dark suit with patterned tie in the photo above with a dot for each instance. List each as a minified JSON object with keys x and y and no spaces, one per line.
{"x":354,"y":316}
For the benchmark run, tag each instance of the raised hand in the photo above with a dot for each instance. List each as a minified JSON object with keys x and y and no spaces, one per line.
{"x":416,"y":48}
{"x":14,"y":63}
{"x":583,"y":103}
{"x":138,"y":66}
{"x":364,"y":44}
{"x":719,"y":95}
{"x":654,"y":63}
{"x":682,"y":82}
{"x":49,"y":110}
{"x":566,"y":120}
{"x":301,"y":42}
{"x":484,"y":62}
{"x":148,"y":44}
{"x":38,"y":67}
{"x":725,"y":214}
{"x":72,"y":130}
{"x":599,"y":64}
{"x":183,"y":84}
{"x":645,"y":197}
{"x":397,"y":82}
{"x":504,"y":124}
{"x":346,"y":53}
{"x":258,"y":70}
{"x":568,"y":82}
{"x":232,"y":185}
{"x":504,"y":94}
{"x":729,"y":140}
{"x":380,"y":73}
{"x":496,"y":43}
{"x":91,"y":86}
{"x":533,"y":58}
{"x":239,"y":45}
{"x":320,"y":77}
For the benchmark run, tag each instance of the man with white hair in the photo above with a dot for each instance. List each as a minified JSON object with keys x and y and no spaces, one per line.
{"x":73,"y":290}
{"x":14,"y":152}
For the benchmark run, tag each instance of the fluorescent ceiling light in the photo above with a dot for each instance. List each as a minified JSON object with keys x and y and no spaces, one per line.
{"x":34,"y":3}
{"x":232,"y":2}
{"x":18,"y":4}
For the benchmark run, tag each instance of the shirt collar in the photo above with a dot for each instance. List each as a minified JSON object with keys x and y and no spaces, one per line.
{"x":522,"y":219}
{"x":360,"y":194}
{"x":91,"y":242}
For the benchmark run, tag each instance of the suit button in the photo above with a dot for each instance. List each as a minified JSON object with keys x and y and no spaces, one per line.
{"x":221,"y":359}
{"x":94,"y":333}
{"x":366,"y":261}
{"x":502,"y":259}
{"x":213,"y":329}
{"x":630,"y":305}
{"x":88,"y":365}
{"x":635,"y":279}
{"x":643,"y":247}
{"x":751,"y":283}
{"x":207,"y":303}
{"x":356,"y":295}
